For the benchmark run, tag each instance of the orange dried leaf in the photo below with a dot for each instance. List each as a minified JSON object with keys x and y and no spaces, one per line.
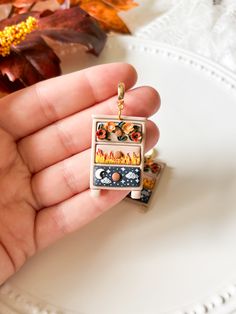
{"x":31,"y":59}
{"x":105,"y":14}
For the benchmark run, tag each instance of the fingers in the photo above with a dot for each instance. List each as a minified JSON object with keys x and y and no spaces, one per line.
{"x":35,"y":107}
{"x":54,"y":222}
{"x":73,"y":134}
{"x":71,"y":176}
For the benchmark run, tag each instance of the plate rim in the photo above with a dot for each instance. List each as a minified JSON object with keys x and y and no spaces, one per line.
{"x":197,"y":61}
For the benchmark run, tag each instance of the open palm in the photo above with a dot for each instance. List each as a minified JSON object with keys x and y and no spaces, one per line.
{"x":45,"y":135}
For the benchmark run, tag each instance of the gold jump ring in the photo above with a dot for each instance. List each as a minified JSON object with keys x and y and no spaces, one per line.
{"x":120,"y":102}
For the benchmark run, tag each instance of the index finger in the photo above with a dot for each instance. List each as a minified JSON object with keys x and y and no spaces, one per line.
{"x":37,"y":106}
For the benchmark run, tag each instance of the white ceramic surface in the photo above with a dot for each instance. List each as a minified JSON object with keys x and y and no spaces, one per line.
{"x":180,"y":256}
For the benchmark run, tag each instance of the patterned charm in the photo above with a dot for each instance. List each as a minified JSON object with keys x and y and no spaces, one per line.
{"x":153,"y":170}
{"x":118,"y":152}
{"x":116,"y":176}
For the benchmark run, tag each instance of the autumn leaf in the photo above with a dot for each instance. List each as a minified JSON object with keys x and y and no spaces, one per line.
{"x":76,"y":27}
{"x":69,"y":26}
{"x":32,"y":60}
{"x":106,"y":12}
{"x":106,"y":15}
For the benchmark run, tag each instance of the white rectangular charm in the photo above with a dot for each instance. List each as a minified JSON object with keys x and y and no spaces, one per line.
{"x":117,"y":157}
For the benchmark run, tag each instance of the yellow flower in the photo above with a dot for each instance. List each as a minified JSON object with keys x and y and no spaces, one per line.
{"x":13,"y":35}
{"x":110,"y":126}
{"x":128,"y":127}
{"x":148,"y":183}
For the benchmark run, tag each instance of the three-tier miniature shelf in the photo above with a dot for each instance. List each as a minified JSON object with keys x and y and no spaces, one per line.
{"x":117,"y":154}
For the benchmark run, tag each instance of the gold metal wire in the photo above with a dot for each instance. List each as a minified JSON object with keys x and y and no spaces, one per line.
{"x":120,"y":101}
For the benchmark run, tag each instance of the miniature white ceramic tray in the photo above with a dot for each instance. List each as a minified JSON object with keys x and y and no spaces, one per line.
{"x":180,"y":256}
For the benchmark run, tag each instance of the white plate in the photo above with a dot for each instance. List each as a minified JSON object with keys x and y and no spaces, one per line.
{"x":180,"y":255}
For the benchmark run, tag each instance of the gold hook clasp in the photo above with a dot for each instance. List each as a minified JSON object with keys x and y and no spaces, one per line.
{"x":120,"y":102}
{"x":121,"y":91}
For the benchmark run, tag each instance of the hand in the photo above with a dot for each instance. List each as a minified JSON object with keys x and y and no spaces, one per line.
{"x":45,"y":133}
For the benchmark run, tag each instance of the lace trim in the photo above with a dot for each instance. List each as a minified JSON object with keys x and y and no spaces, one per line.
{"x":198,"y":26}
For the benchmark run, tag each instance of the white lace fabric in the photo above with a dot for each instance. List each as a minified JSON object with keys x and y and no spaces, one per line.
{"x":206,"y":27}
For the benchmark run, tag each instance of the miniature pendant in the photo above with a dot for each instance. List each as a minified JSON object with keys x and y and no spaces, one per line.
{"x":153,"y":169}
{"x":117,"y":159}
